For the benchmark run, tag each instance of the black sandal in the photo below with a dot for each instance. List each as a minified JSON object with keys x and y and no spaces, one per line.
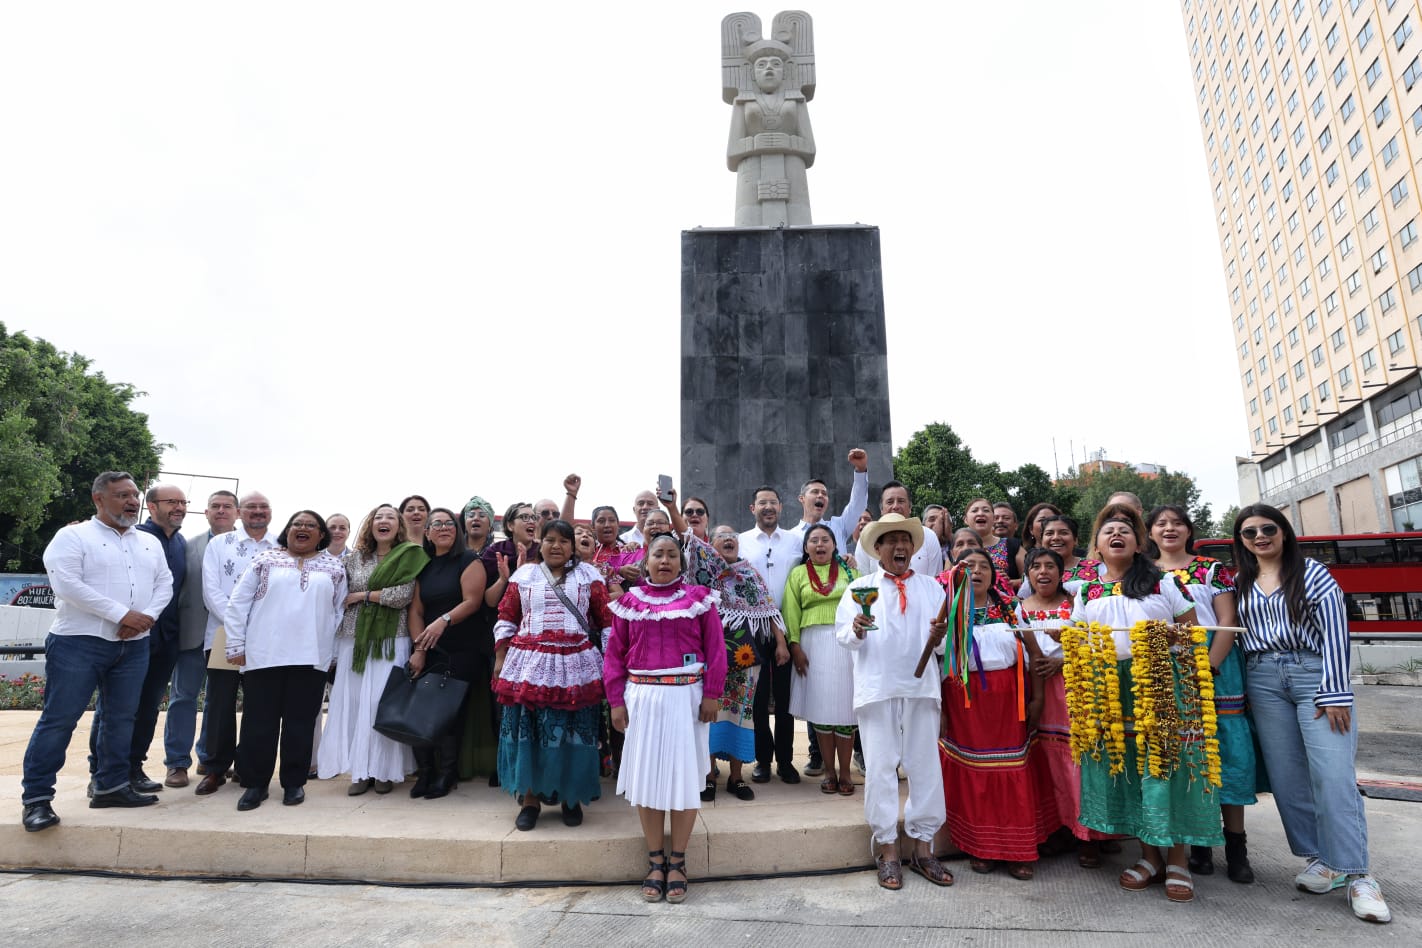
{"x":709,"y":793}
{"x":654,"y":889}
{"x":676,"y":891}
{"x":740,"y":789}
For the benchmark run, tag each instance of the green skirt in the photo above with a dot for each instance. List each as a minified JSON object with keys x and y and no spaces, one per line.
{"x":1155,"y":811}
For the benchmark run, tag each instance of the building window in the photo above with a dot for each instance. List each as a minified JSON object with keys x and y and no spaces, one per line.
{"x":1311,"y":320}
{"x":1355,"y":145}
{"x":1299,"y":369}
{"x":1403,"y":31}
{"x":1258,"y":435}
{"x":1317,"y":354}
{"x":1311,"y":73}
{"x":1254,"y":406}
{"x":1389,"y":152}
{"x":1361,"y":183}
{"x":1378,"y":260}
{"x":1404,"y":492}
{"x":1369,"y":361}
{"x":1345,"y":246}
{"x":1348,"y":107}
{"x":1408,"y":234}
{"x":1273,"y":426}
{"x":1398,"y":192}
{"x":1338,"y":339}
{"x":1345,"y":377}
{"x":1248,"y":376}
{"x":1288,"y":414}
{"x":1305,"y":400}
{"x":1283,"y":385}
{"x":1373,"y":72}
{"x":1414,"y":278}
{"x":1293,"y":337}
{"x":1354,"y":282}
{"x":1330,"y":303}
{"x":1360,"y":321}
{"x":1411,"y":73}
{"x":1278,"y":351}
{"x":1395,"y":343}
{"x":1387,"y":300}
{"x":1323,"y":391}
{"x":1330,"y":174}
{"x":1381,"y":111}
{"x":1370,"y":220}
{"x":1365,"y":36}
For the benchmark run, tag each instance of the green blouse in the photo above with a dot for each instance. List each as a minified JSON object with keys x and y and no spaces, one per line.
{"x":803,"y":607}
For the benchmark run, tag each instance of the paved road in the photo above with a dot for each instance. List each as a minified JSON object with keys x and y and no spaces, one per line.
{"x":1064,"y":903}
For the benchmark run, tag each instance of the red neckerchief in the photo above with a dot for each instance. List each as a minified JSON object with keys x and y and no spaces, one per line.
{"x":899,"y":581}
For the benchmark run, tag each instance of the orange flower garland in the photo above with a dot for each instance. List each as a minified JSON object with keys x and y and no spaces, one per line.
{"x":1093,"y":695}
{"x":1174,"y":693}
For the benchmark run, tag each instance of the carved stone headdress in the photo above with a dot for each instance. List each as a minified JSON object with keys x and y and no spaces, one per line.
{"x":792,"y":38}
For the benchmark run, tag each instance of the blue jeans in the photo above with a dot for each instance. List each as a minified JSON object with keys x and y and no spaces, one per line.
{"x":181,"y":726}
{"x":74,"y":665}
{"x":1310,"y":765}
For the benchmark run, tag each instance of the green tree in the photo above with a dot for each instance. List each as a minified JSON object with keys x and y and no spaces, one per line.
{"x":938,"y":468}
{"x":1167,"y":487}
{"x":60,"y":424}
{"x":1223,"y":526}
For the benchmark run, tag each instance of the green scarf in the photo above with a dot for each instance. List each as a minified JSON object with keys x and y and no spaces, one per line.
{"x":376,"y":624}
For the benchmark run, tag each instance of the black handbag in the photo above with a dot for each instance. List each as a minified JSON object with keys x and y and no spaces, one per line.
{"x":418,"y":710}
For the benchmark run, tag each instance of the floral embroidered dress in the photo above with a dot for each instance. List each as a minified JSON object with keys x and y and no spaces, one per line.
{"x":1204,"y":579}
{"x":994,"y":810}
{"x":1157,"y":811}
{"x":551,"y":683}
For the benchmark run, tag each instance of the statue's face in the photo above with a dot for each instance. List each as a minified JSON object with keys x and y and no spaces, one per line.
{"x":769,"y":71}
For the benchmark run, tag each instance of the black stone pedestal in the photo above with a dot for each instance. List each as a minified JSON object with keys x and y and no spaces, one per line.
{"x":783,"y":365}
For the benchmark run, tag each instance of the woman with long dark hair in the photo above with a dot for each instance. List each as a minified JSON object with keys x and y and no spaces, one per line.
{"x":994,"y":812}
{"x":1168,"y":812}
{"x":1210,"y":584}
{"x":1296,"y":647}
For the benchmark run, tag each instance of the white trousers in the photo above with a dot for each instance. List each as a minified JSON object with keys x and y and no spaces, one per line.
{"x":894,"y":732}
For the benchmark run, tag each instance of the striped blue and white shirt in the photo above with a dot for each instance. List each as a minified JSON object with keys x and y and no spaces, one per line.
{"x":1324,"y":629}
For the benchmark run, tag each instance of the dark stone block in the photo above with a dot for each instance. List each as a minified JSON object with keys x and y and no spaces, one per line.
{"x":783,"y":365}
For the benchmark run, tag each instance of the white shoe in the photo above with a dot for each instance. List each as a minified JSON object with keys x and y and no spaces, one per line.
{"x":1319,"y":879}
{"x":1366,"y":901}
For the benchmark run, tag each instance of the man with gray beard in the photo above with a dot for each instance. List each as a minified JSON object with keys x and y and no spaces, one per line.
{"x":111,"y":582}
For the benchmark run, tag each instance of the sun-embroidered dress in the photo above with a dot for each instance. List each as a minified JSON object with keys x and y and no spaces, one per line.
{"x":551,"y":683}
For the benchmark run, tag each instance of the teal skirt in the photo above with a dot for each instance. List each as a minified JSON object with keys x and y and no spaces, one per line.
{"x":1155,"y":811}
{"x":1238,"y":768}
{"x":550,"y":751}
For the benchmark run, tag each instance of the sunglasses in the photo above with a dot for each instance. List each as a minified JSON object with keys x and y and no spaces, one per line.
{"x":1268,"y":530}
{"x":694,"y":511}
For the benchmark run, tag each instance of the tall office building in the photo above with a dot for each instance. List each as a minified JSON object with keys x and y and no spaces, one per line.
{"x":1311,"y":114}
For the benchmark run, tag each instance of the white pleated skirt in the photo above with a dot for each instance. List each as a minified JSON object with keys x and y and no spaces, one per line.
{"x":349,"y":745}
{"x":668,"y":750}
{"x":825,"y":693}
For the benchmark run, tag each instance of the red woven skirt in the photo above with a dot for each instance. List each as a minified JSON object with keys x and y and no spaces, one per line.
{"x":993,"y":806}
{"x":1055,"y":775}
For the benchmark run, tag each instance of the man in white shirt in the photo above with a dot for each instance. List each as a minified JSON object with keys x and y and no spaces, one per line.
{"x":644,"y":504}
{"x":111,"y":582}
{"x":226,"y":558}
{"x":774,"y":552}
{"x":898,"y":714}
{"x":894,"y":499}
{"x":814,"y":501}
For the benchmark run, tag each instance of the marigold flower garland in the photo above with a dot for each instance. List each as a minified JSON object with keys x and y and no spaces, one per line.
{"x":1093,"y":695}
{"x":1174,"y":692}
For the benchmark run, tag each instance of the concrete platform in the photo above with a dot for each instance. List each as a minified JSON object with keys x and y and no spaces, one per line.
{"x":466,"y":837}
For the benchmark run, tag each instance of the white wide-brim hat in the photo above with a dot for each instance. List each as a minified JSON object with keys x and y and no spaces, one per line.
{"x":891,"y":523}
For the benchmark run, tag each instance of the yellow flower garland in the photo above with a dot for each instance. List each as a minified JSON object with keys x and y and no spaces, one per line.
{"x":1174,"y":702}
{"x":1093,"y":695}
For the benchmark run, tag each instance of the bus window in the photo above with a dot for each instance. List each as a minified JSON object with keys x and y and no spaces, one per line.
{"x":1365,"y":550}
{"x":1322,"y":550}
{"x":1409,"y":550}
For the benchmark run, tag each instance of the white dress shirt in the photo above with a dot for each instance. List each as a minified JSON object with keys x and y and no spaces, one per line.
{"x":225,"y":560}
{"x":843,"y":524}
{"x":885,"y":658}
{"x":281,"y":614}
{"x":928,"y":561}
{"x":633,"y":536}
{"x":99,"y":573}
{"x":773,"y":555}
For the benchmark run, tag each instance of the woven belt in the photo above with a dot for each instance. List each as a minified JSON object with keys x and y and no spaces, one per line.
{"x":688,"y":679}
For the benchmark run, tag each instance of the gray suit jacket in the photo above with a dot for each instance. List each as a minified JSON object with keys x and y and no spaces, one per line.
{"x":192,"y":612}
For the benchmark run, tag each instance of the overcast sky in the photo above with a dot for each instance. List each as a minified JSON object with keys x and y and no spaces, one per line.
{"x":354,"y":251}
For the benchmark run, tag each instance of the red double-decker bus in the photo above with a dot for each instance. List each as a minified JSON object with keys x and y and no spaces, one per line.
{"x":1380,"y":573}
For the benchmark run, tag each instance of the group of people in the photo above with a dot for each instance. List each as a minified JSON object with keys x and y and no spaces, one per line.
{"x":660,"y":653}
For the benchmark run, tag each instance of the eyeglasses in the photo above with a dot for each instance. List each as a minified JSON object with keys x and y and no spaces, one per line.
{"x":305,"y":525}
{"x":175,"y":503}
{"x":694,"y":511}
{"x":527,"y":518}
{"x":725,"y":536}
{"x":1268,"y":530}
{"x":547,"y":514}
{"x":441,"y":524}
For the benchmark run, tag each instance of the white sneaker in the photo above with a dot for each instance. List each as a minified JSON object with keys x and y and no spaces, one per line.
{"x":1319,"y":879}
{"x":1366,"y":901}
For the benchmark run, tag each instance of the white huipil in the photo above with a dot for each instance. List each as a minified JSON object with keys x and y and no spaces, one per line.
{"x":898,"y":714}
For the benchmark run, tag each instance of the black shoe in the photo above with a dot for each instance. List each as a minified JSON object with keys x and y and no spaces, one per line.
{"x":789,"y":774}
{"x":139,"y":781}
{"x":527,"y":818}
{"x":252,"y":798}
{"x":39,"y":816}
{"x":1202,"y":861}
{"x":573,"y":815}
{"x":293,"y":796}
{"x":1237,"y":858}
{"x":708,"y":794}
{"x":125,"y":796}
{"x":90,"y":791}
{"x":760,"y":774}
{"x":494,"y":779}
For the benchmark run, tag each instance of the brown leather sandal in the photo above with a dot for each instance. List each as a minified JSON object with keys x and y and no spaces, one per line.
{"x":1021,"y":870}
{"x":931,"y":869}
{"x":891,"y":873}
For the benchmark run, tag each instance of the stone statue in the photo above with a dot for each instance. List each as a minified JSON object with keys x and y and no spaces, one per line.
{"x":767,"y":83}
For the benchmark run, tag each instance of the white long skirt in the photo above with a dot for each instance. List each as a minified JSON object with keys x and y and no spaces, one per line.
{"x":664,"y":759}
{"x":349,"y":745}
{"x":824,"y":695}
